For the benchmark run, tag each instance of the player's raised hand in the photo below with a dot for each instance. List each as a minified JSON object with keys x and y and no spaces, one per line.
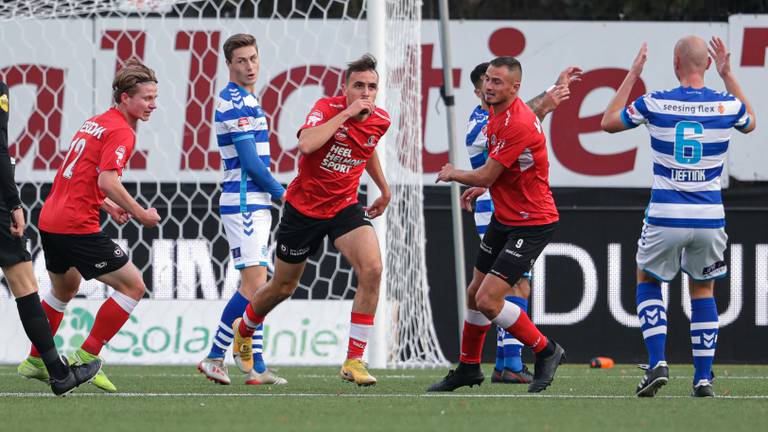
{"x":469,"y":196}
{"x":554,"y":97}
{"x":639,"y":62}
{"x":18,"y":224}
{"x":445,"y":173}
{"x":361,"y":107}
{"x":569,"y":75}
{"x":377,"y":208}
{"x":150,"y":218}
{"x":720,"y":55}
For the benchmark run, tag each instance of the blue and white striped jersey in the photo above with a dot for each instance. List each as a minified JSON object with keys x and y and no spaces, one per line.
{"x":239,"y":117}
{"x":477,"y":147}
{"x":690,"y":131}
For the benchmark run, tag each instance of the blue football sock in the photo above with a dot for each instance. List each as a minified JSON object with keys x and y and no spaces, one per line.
{"x":704,"y":328}
{"x":653,"y":320}
{"x":499,"y":349}
{"x":223,"y":337}
{"x":258,"y":348}
{"x":512,"y":347}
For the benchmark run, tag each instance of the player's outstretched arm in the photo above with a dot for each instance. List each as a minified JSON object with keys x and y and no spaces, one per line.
{"x":482,"y":177}
{"x":255,"y":168}
{"x":311,"y":139}
{"x":611,"y":121}
{"x":373,"y":167}
{"x":109,"y":183}
{"x":722,"y":58}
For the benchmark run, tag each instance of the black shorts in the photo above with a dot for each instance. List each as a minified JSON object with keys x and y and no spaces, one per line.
{"x":13,"y":250}
{"x":300,"y":236}
{"x":510,"y":251}
{"x":92,"y":255}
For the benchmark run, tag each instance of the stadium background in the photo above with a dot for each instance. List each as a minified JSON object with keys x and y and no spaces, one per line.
{"x":600,"y":214}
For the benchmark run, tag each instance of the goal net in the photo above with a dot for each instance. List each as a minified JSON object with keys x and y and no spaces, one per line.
{"x":59,"y":57}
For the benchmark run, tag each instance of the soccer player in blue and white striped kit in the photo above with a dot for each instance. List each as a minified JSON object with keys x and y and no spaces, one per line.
{"x":247,"y":191}
{"x":509,"y":366}
{"x":684,"y":227}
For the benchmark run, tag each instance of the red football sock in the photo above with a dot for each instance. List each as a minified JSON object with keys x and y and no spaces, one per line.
{"x":109,"y":319}
{"x":472,"y":340}
{"x":54,"y":319}
{"x":526,"y":332}
{"x":249,"y":322}
{"x":360,"y":328}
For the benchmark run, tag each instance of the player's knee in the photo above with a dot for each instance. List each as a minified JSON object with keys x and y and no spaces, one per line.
{"x":486,"y":304}
{"x":284,"y":289}
{"x":371,"y":273}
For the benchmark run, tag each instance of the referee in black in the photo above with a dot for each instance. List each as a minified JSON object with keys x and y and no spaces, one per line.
{"x":16,"y":263}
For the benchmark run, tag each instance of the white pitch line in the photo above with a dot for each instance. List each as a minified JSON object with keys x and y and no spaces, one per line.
{"x":363,"y":395}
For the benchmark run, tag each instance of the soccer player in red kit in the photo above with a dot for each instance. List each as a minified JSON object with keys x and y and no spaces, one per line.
{"x":337,"y":142}
{"x":70,"y":232}
{"x":523,"y":222}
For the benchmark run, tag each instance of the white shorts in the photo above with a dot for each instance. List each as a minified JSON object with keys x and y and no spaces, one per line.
{"x":248,"y":237}
{"x":663,"y":251}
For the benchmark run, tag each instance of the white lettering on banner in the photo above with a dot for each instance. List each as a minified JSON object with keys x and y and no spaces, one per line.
{"x":299,"y":332}
{"x":588,"y":299}
{"x":761,"y":284}
{"x":735,"y":303}
{"x":162,"y":269}
{"x":194,"y":268}
{"x":180,"y":274}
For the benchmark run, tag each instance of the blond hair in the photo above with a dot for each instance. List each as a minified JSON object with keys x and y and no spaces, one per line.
{"x":129,"y":77}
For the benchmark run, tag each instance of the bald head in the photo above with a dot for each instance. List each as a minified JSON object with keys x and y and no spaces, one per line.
{"x":691,"y":55}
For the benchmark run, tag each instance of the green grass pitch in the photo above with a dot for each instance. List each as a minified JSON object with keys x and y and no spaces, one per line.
{"x":176,"y":398}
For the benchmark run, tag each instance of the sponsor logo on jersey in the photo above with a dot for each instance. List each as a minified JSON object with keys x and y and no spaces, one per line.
{"x":720,"y":108}
{"x":342,"y":133}
{"x":100,"y":265}
{"x":243,"y":122}
{"x":337,"y":106}
{"x":4,"y":102}
{"x":119,"y":252}
{"x":339,"y":158}
{"x":314,"y":117}
{"x":120,"y":155}
{"x":631,"y":109}
{"x":372,"y":141}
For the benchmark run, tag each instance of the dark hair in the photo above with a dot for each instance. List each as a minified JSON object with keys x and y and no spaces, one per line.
{"x":477,"y":74}
{"x":129,"y":76}
{"x":365,"y":63}
{"x":238,"y":41}
{"x":510,"y":62}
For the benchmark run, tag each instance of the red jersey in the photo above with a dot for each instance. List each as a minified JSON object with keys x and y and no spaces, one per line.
{"x":328,"y":177}
{"x":103,"y":143}
{"x":521,"y":194}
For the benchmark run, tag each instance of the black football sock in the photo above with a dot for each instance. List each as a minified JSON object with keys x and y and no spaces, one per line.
{"x":39,"y":333}
{"x":467,"y":367}
{"x":548,"y":350}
